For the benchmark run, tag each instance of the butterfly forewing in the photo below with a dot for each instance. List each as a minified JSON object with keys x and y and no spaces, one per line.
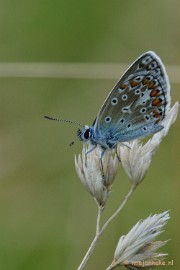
{"x":137,"y":104}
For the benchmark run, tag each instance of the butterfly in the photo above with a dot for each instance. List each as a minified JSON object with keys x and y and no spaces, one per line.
{"x":134,"y":108}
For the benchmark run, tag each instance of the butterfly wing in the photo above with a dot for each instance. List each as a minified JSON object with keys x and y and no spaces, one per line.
{"x":137,"y":104}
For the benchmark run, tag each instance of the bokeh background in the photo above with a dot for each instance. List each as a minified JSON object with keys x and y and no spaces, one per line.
{"x":47,"y":219}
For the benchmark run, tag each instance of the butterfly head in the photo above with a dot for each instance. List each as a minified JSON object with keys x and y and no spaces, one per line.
{"x":85,"y":134}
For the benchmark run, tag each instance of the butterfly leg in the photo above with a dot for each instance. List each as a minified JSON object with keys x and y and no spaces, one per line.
{"x":101,"y":156}
{"x":101,"y":163}
{"x":118,"y":157}
{"x":126,"y":145}
{"x":90,"y":150}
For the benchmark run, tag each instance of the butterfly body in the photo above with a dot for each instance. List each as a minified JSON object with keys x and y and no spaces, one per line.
{"x":135,"y":107}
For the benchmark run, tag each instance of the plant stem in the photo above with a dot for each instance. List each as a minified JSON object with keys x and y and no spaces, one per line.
{"x":100,"y":209}
{"x":111,"y":267}
{"x":99,"y":231}
{"x":132,"y":189}
{"x":93,"y":244}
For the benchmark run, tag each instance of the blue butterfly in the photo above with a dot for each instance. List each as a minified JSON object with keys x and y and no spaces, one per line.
{"x":134,"y":108}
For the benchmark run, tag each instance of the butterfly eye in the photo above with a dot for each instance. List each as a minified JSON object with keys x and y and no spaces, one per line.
{"x":108,"y":119}
{"x":124,"y":97}
{"x":114,"y":101}
{"x":87,"y":134}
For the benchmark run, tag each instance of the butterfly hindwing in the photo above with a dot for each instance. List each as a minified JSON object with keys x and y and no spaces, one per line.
{"x":137,"y":104}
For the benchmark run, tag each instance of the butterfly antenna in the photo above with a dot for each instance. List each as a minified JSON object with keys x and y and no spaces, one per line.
{"x":62,"y":120}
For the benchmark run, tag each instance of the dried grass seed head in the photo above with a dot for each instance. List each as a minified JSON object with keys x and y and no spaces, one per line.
{"x":136,"y":157}
{"x":97,"y":175}
{"x":138,"y":246}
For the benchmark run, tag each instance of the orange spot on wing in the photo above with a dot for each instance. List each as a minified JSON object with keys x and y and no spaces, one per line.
{"x":134,"y":83}
{"x":154,"y":93}
{"x":145,"y":81}
{"x":123,"y":86}
{"x":151,"y":85}
{"x":156,"y":102}
{"x":155,"y":111}
{"x":157,"y":115}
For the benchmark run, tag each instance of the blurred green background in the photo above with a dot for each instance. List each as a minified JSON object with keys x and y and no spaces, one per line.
{"x":47,"y":217}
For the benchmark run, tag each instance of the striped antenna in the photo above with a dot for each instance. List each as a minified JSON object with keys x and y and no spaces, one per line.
{"x":62,"y":120}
